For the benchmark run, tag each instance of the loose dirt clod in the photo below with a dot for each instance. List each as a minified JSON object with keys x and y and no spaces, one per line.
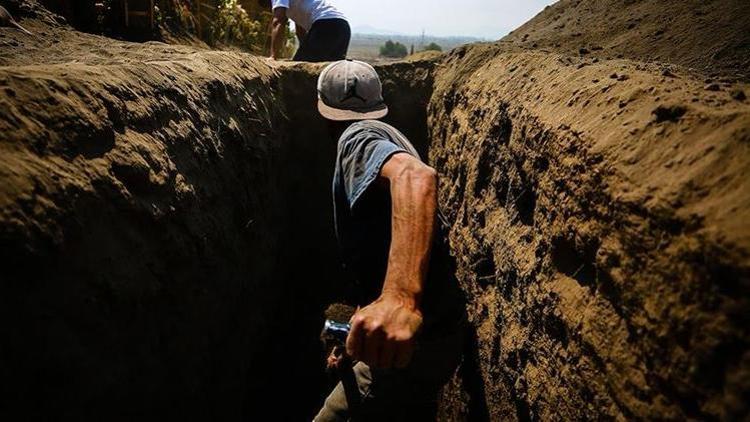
{"x":712,"y":87}
{"x":668,"y":113}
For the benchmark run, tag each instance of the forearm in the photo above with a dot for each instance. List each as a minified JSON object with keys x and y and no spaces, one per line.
{"x":414,"y":209}
{"x":277,"y":37}
{"x":383,"y":333}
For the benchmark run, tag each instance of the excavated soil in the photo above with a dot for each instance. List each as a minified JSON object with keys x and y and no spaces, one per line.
{"x":166,"y":227}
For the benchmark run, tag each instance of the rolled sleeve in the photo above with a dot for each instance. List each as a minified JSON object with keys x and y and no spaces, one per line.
{"x":362,"y":159}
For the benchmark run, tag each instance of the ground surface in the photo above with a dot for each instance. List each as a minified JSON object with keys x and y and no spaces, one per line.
{"x":165,"y":216}
{"x":709,"y":36}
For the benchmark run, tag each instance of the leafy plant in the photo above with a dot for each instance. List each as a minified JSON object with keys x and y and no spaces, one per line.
{"x":238,"y":23}
{"x":393,"y":49}
{"x":246,"y":27}
{"x":234,"y":25}
{"x":433,"y":47}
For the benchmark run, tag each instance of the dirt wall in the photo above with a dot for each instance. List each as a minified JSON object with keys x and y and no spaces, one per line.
{"x":598,"y":216}
{"x":140,"y":237}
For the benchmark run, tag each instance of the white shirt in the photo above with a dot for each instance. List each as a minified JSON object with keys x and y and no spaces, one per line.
{"x":305,"y":12}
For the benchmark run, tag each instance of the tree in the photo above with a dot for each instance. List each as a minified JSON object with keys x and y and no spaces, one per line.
{"x":393,"y":49}
{"x":433,"y":47}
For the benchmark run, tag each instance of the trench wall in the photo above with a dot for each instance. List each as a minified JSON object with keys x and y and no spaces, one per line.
{"x":599,"y":224}
{"x":145,"y":240}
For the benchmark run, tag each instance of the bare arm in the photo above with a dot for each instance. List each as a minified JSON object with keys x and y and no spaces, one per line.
{"x":383,"y":332}
{"x":278,"y":28}
{"x":413,"y":188}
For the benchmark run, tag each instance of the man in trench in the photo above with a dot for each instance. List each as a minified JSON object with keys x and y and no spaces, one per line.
{"x":406,"y":338}
{"x":323,"y":31}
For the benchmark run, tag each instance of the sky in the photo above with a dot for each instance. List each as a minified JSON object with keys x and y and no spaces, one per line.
{"x":489,"y":19}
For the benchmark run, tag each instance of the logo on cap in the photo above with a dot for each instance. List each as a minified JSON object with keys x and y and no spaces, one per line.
{"x":351,"y":92}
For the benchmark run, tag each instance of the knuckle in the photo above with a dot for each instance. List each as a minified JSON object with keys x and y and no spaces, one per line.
{"x":404,"y":336}
{"x":373,"y":325}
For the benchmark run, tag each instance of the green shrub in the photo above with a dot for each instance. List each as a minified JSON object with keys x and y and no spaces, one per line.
{"x":433,"y":47}
{"x":393,"y":49}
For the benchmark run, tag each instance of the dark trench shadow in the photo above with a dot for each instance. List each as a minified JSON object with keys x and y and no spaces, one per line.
{"x":468,"y":373}
{"x":471,"y":377}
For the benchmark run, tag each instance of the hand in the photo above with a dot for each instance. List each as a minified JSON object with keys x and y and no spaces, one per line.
{"x":383,"y":332}
{"x":336,"y":358}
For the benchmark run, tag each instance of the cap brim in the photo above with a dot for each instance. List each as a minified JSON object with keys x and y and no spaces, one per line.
{"x":340,"y":115}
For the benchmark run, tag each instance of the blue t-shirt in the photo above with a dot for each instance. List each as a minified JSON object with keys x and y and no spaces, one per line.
{"x":362,"y":212}
{"x":306,"y":12}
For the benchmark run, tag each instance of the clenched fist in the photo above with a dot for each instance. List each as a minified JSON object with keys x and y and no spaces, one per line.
{"x":383,"y":333}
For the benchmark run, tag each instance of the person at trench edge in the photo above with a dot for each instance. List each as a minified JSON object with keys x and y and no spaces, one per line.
{"x":323,"y":31}
{"x":406,"y":338}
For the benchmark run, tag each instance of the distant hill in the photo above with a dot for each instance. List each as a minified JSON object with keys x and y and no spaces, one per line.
{"x":370,"y":30}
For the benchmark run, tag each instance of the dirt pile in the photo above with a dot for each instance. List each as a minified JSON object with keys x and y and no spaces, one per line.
{"x":712,"y":37}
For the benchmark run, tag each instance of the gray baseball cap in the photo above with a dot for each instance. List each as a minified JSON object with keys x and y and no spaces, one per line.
{"x":350,"y":90}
